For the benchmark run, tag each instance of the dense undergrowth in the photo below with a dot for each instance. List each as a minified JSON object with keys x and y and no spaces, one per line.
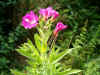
{"x":82,"y":17}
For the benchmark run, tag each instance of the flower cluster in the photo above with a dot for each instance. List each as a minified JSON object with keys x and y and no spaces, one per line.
{"x":30,"y":20}
{"x":48,"y":12}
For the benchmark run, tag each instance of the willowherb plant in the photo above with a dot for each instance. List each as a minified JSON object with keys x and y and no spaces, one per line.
{"x":43,"y":57}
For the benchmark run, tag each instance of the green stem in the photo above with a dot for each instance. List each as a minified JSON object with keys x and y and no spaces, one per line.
{"x":53,"y":43}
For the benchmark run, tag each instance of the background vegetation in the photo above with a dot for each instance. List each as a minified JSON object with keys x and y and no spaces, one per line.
{"x":82,"y":17}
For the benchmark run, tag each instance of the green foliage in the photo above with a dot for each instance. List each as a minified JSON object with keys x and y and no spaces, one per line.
{"x":92,"y":67}
{"x":84,"y":31}
{"x":7,"y":46}
{"x":43,"y":63}
{"x":9,"y":36}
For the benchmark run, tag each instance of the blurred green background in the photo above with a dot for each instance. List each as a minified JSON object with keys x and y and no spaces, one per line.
{"x":82,"y":18}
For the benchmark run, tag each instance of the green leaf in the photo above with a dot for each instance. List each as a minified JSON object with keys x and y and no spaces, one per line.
{"x":15,"y":72}
{"x":73,"y":71}
{"x":68,"y":72}
{"x":28,"y":50}
{"x":55,"y":57}
{"x":38,"y":42}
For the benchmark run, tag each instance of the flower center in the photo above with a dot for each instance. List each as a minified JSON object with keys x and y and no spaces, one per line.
{"x":27,"y":20}
{"x":32,"y":22}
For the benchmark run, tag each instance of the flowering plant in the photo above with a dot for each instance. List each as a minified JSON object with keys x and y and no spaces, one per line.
{"x":43,"y":57}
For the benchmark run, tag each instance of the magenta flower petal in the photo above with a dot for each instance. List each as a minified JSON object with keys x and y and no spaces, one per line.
{"x":43,"y":12}
{"x":55,"y":14}
{"x":49,"y":9}
{"x":30,"y":20}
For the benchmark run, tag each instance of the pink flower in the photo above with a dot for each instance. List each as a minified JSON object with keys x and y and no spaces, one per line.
{"x":30,"y":20}
{"x":60,"y":26}
{"x":48,"y":12}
